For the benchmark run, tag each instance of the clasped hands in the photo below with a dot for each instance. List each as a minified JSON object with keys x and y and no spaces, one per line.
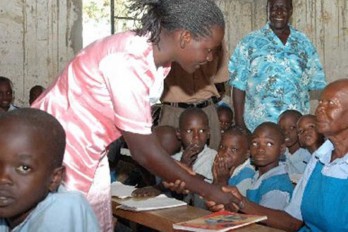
{"x":235,"y":204}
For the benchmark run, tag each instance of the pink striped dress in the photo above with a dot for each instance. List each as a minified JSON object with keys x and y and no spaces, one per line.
{"x":107,"y":88}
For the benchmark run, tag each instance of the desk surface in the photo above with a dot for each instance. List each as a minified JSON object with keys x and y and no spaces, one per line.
{"x":163,"y":220}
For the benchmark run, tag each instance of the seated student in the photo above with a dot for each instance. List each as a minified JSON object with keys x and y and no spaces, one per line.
{"x":318,"y":200}
{"x":308,"y":135}
{"x":32,"y":144}
{"x":296,"y":158}
{"x":6,"y":96}
{"x":171,"y":144}
{"x":194,"y":133}
{"x":271,"y":186}
{"x":35,"y":92}
{"x":225,"y":115}
{"x":168,"y":140}
{"x":232,"y":164}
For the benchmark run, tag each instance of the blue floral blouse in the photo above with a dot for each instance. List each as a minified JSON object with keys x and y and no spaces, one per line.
{"x":274,"y":76}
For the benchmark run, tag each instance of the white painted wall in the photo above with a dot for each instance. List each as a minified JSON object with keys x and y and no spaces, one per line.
{"x":37,"y":38}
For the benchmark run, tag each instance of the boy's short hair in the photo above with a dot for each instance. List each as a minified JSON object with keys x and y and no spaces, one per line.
{"x":295,"y":113}
{"x":5,"y":79}
{"x":192,"y":111}
{"x":273,"y":126}
{"x":225,"y":108}
{"x":235,"y":129}
{"x":45,"y":124}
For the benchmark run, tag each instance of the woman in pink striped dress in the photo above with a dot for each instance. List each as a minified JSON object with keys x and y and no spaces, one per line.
{"x":106,"y":91}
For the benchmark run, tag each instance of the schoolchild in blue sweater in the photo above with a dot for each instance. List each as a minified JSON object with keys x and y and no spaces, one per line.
{"x":32,"y":144}
{"x":271,"y":186}
{"x":232,"y":164}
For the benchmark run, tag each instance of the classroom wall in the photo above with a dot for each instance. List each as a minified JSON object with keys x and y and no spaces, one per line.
{"x":38,"y":37}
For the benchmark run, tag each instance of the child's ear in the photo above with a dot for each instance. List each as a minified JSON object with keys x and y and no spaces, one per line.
{"x":57,"y":177}
{"x":178,"y":135}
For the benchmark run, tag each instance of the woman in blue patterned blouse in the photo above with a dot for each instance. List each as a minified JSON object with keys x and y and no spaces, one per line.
{"x":273,"y":69}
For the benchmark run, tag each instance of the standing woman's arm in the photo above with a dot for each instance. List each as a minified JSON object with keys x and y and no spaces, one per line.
{"x":146,"y":150}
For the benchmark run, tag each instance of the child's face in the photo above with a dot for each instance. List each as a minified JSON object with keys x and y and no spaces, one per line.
{"x":195,"y":130}
{"x":35,"y":93}
{"x":234,"y":149}
{"x":5,"y":95}
{"x":307,"y":133}
{"x":25,"y":171}
{"x":225,"y":121}
{"x":288,"y":125}
{"x":170,"y":143}
{"x":266,"y":147}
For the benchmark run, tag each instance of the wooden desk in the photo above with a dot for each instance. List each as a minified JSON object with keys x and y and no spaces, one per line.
{"x":163,"y":220}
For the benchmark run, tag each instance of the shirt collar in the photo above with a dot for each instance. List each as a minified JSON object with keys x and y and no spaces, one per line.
{"x":324,"y":152}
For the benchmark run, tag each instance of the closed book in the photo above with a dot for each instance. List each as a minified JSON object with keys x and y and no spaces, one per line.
{"x":219,"y":221}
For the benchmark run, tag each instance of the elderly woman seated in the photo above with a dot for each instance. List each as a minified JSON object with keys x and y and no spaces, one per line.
{"x":317,"y":202}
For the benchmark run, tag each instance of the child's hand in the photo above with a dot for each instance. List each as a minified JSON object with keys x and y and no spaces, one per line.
{"x":221,"y":170}
{"x":190,"y":154}
{"x":148,"y":191}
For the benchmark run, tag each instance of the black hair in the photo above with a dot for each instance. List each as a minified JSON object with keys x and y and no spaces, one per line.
{"x":268,"y":2}
{"x":273,"y":126}
{"x":37,"y":87}
{"x":196,"y":16}
{"x":192,"y":111}
{"x":5,"y":79}
{"x":295,"y":113}
{"x":290,"y":1}
{"x":48,"y":128}
{"x":235,"y":129}
{"x":225,"y":108}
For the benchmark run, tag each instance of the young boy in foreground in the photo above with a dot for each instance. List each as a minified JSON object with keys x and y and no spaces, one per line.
{"x":32,"y":144}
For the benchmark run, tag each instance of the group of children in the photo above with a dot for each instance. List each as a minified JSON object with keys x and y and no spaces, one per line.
{"x":7,"y":96}
{"x":263,"y":165}
{"x":257,"y":163}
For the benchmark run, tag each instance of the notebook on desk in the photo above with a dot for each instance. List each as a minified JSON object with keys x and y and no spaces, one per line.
{"x":127,"y":202}
{"x":121,"y":190}
{"x":153,"y":203}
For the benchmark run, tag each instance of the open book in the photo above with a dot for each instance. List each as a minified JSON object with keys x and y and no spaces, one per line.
{"x":219,"y":221}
